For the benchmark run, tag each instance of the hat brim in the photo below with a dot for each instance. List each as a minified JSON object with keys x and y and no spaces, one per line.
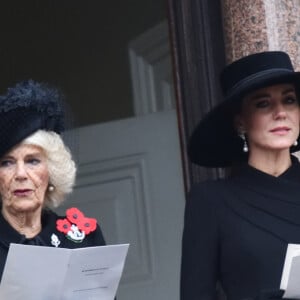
{"x":214,"y":142}
{"x":18,"y":124}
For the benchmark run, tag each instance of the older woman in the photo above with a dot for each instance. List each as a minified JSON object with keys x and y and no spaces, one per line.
{"x":36,"y":173}
{"x":237,"y":229}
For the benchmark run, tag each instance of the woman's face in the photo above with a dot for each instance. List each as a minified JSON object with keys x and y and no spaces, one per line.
{"x":24,"y":179}
{"x":270,"y":118}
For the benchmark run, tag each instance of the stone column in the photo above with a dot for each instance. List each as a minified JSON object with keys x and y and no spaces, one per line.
{"x":260,"y":25}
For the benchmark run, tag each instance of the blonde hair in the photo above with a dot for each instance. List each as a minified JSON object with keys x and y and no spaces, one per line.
{"x":61,"y":166}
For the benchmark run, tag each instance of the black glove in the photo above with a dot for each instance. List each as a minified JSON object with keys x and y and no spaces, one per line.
{"x":270,"y":295}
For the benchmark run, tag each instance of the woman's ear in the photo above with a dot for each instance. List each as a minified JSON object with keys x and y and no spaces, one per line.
{"x":239,"y":124}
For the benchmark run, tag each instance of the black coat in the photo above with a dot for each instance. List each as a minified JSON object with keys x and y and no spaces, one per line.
{"x":44,"y":238}
{"x":236,"y":232}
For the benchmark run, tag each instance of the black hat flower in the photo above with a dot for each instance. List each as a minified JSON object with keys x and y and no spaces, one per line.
{"x":26,"y":108}
{"x":215,"y":142}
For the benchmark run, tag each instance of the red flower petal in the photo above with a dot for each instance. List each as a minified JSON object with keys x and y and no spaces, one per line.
{"x":74,"y":215}
{"x":87,"y":225}
{"x":63,"y":225}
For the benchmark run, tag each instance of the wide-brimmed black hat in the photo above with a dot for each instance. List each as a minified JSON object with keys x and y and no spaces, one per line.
{"x":215,"y":142}
{"x":26,"y":108}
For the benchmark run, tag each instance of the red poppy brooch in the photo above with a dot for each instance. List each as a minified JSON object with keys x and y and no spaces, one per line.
{"x":76,"y":225}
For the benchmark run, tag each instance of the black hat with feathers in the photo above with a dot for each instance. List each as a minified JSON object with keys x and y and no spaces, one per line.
{"x":26,"y":108}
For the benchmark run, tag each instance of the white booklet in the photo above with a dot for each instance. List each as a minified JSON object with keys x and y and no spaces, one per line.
{"x":290,"y":280}
{"x":35,"y":272}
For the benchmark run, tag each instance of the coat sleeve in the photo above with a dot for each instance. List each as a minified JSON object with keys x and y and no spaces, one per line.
{"x":199,"y":265}
{"x":98,"y":237}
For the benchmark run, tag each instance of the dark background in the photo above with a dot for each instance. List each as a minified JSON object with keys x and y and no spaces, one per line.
{"x":79,"y":46}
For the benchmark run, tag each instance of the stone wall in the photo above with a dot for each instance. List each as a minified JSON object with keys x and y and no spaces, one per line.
{"x":260,"y":25}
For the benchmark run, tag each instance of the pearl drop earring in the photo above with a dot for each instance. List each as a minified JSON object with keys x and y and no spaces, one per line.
{"x":295,"y":143}
{"x":245,"y":146}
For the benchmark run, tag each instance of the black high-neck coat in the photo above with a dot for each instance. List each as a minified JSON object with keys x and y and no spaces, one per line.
{"x":236,"y":232}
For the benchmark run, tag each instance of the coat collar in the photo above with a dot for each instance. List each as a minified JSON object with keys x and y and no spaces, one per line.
{"x":10,"y":235}
{"x":268,"y":202}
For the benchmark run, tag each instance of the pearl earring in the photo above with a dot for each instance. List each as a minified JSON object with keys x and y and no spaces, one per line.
{"x":295,"y":143}
{"x":50,"y":188}
{"x":245,"y":146}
